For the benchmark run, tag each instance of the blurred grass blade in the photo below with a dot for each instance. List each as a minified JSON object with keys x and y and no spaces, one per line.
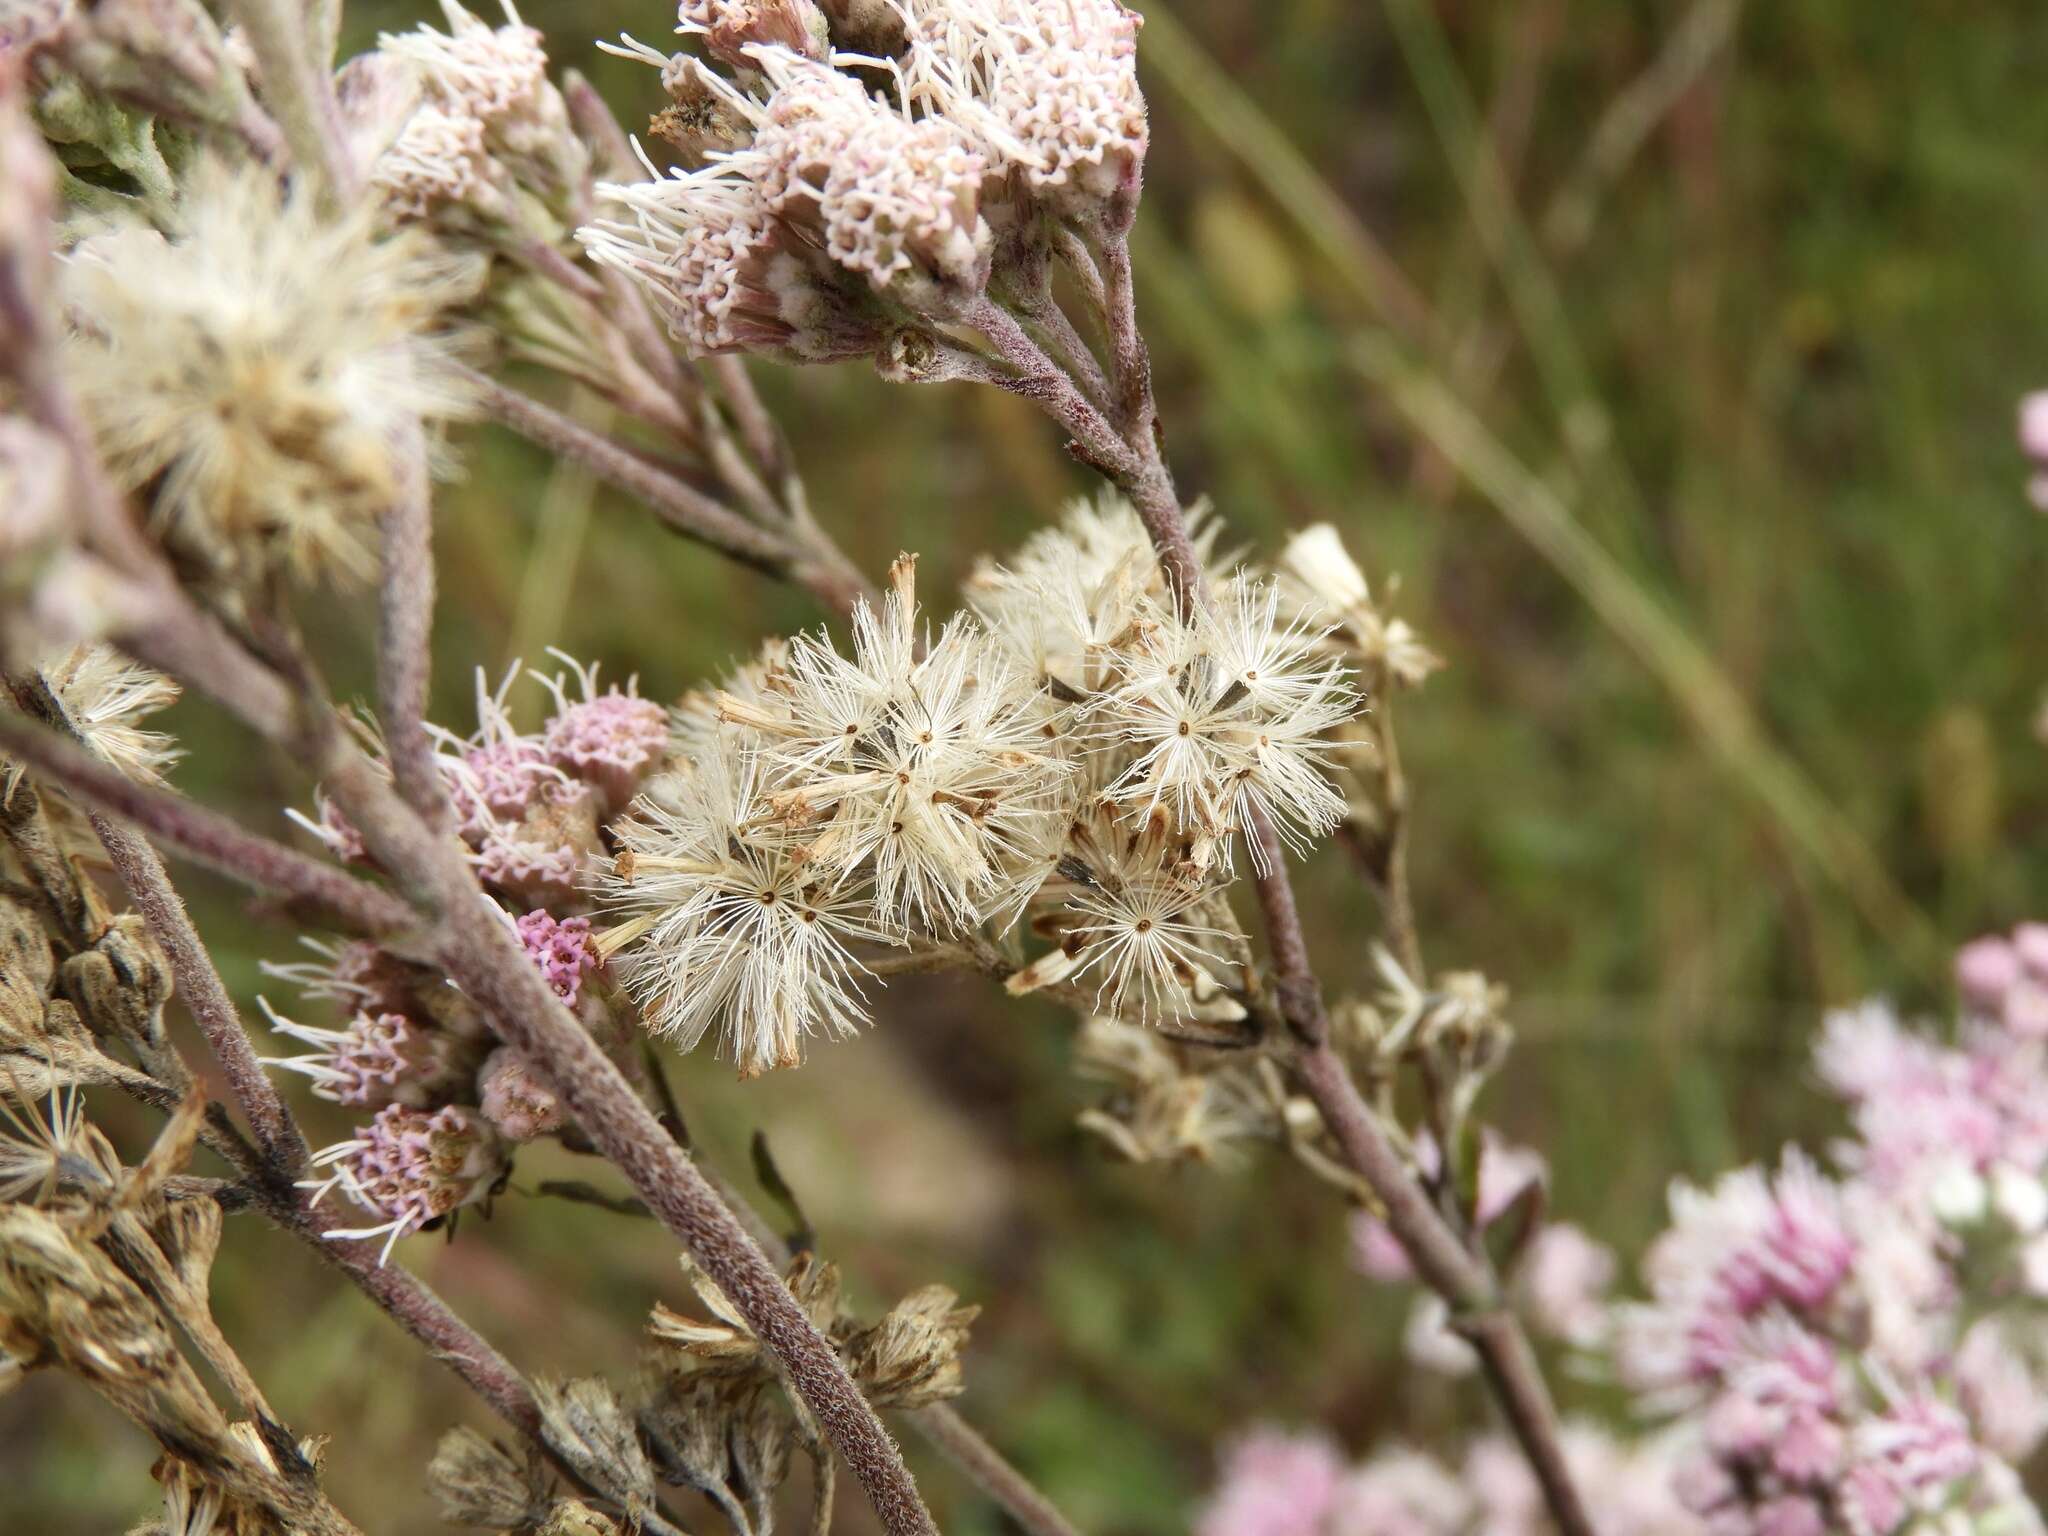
{"x":1632,"y":117}
{"x":561,"y":527}
{"x":1230,"y":116}
{"x":1538,"y":306}
{"x":1660,"y":642}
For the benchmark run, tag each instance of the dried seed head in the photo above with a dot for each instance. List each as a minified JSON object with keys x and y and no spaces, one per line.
{"x":478,"y":1482}
{"x":585,"y":1424}
{"x":911,"y":1358}
{"x":106,"y":697}
{"x":258,"y":371}
{"x":573,"y":1517}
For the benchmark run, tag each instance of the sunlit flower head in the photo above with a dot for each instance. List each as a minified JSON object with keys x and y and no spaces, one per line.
{"x":729,"y":924}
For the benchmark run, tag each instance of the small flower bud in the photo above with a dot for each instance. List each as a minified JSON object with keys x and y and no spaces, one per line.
{"x":513,"y":1098}
{"x":563,"y":951}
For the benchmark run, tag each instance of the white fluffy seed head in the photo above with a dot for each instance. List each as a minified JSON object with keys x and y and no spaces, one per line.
{"x":732,"y":924}
{"x":257,"y":371}
{"x":107,"y":697}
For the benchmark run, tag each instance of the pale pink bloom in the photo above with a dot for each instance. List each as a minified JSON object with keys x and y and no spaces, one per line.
{"x":377,"y":1059}
{"x":2003,"y":1394}
{"x":2030,"y":943}
{"x":410,"y":1168}
{"x":1048,"y":87}
{"x":1400,"y":1492}
{"x":2033,"y":433}
{"x":610,"y":740}
{"x":1564,"y":1280}
{"x":531,"y":868}
{"x":1793,"y":1514}
{"x":1985,"y":969}
{"x":1428,"y":1341}
{"x":1273,"y":1484}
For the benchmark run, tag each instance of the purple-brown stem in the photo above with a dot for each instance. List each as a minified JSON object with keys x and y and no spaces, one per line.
{"x":205,"y":836}
{"x":405,"y":626}
{"x":687,"y":510}
{"x":480,"y":955}
{"x":962,"y":1444}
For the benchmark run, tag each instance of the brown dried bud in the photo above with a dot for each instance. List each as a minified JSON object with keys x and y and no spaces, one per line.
{"x":478,"y":1482}
{"x":733,"y":26}
{"x":26,"y":969}
{"x":866,"y":26}
{"x":911,"y":1358}
{"x":700,"y":120}
{"x":121,"y":984}
{"x":573,"y":1517}
{"x":584,"y":1423}
{"x":515,"y":1099}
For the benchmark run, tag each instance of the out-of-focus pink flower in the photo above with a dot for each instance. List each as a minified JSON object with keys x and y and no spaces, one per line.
{"x":1274,"y":1484}
{"x":1985,"y":969}
{"x":2033,"y":436}
{"x":1505,"y":1171}
{"x":1564,"y":1281}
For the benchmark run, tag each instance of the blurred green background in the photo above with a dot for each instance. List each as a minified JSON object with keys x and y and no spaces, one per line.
{"x":1752,"y":291}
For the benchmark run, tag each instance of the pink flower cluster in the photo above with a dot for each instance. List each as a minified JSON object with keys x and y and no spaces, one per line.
{"x":412,"y":1167}
{"x":529,"y":806}
{"x":1280,"y":1484}
{"x":1851,"y":1349}
{"x":562,"y":950}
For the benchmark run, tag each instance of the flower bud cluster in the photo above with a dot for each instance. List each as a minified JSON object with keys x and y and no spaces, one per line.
{"x":816,"y":215}
{"x":464,"y":130}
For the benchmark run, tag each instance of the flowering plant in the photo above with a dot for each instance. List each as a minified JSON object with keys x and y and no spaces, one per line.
{"x":249,"y":301}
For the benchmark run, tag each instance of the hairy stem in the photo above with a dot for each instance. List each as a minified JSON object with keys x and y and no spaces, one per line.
{"x":684,"y":508}
{"x":1440,"y":1256}
{"x":986,"y":1467}
{"x":299,"y":90}
{"x":405,"y":627}
{"x":205,"y":836}
{"x":481,"y":956}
